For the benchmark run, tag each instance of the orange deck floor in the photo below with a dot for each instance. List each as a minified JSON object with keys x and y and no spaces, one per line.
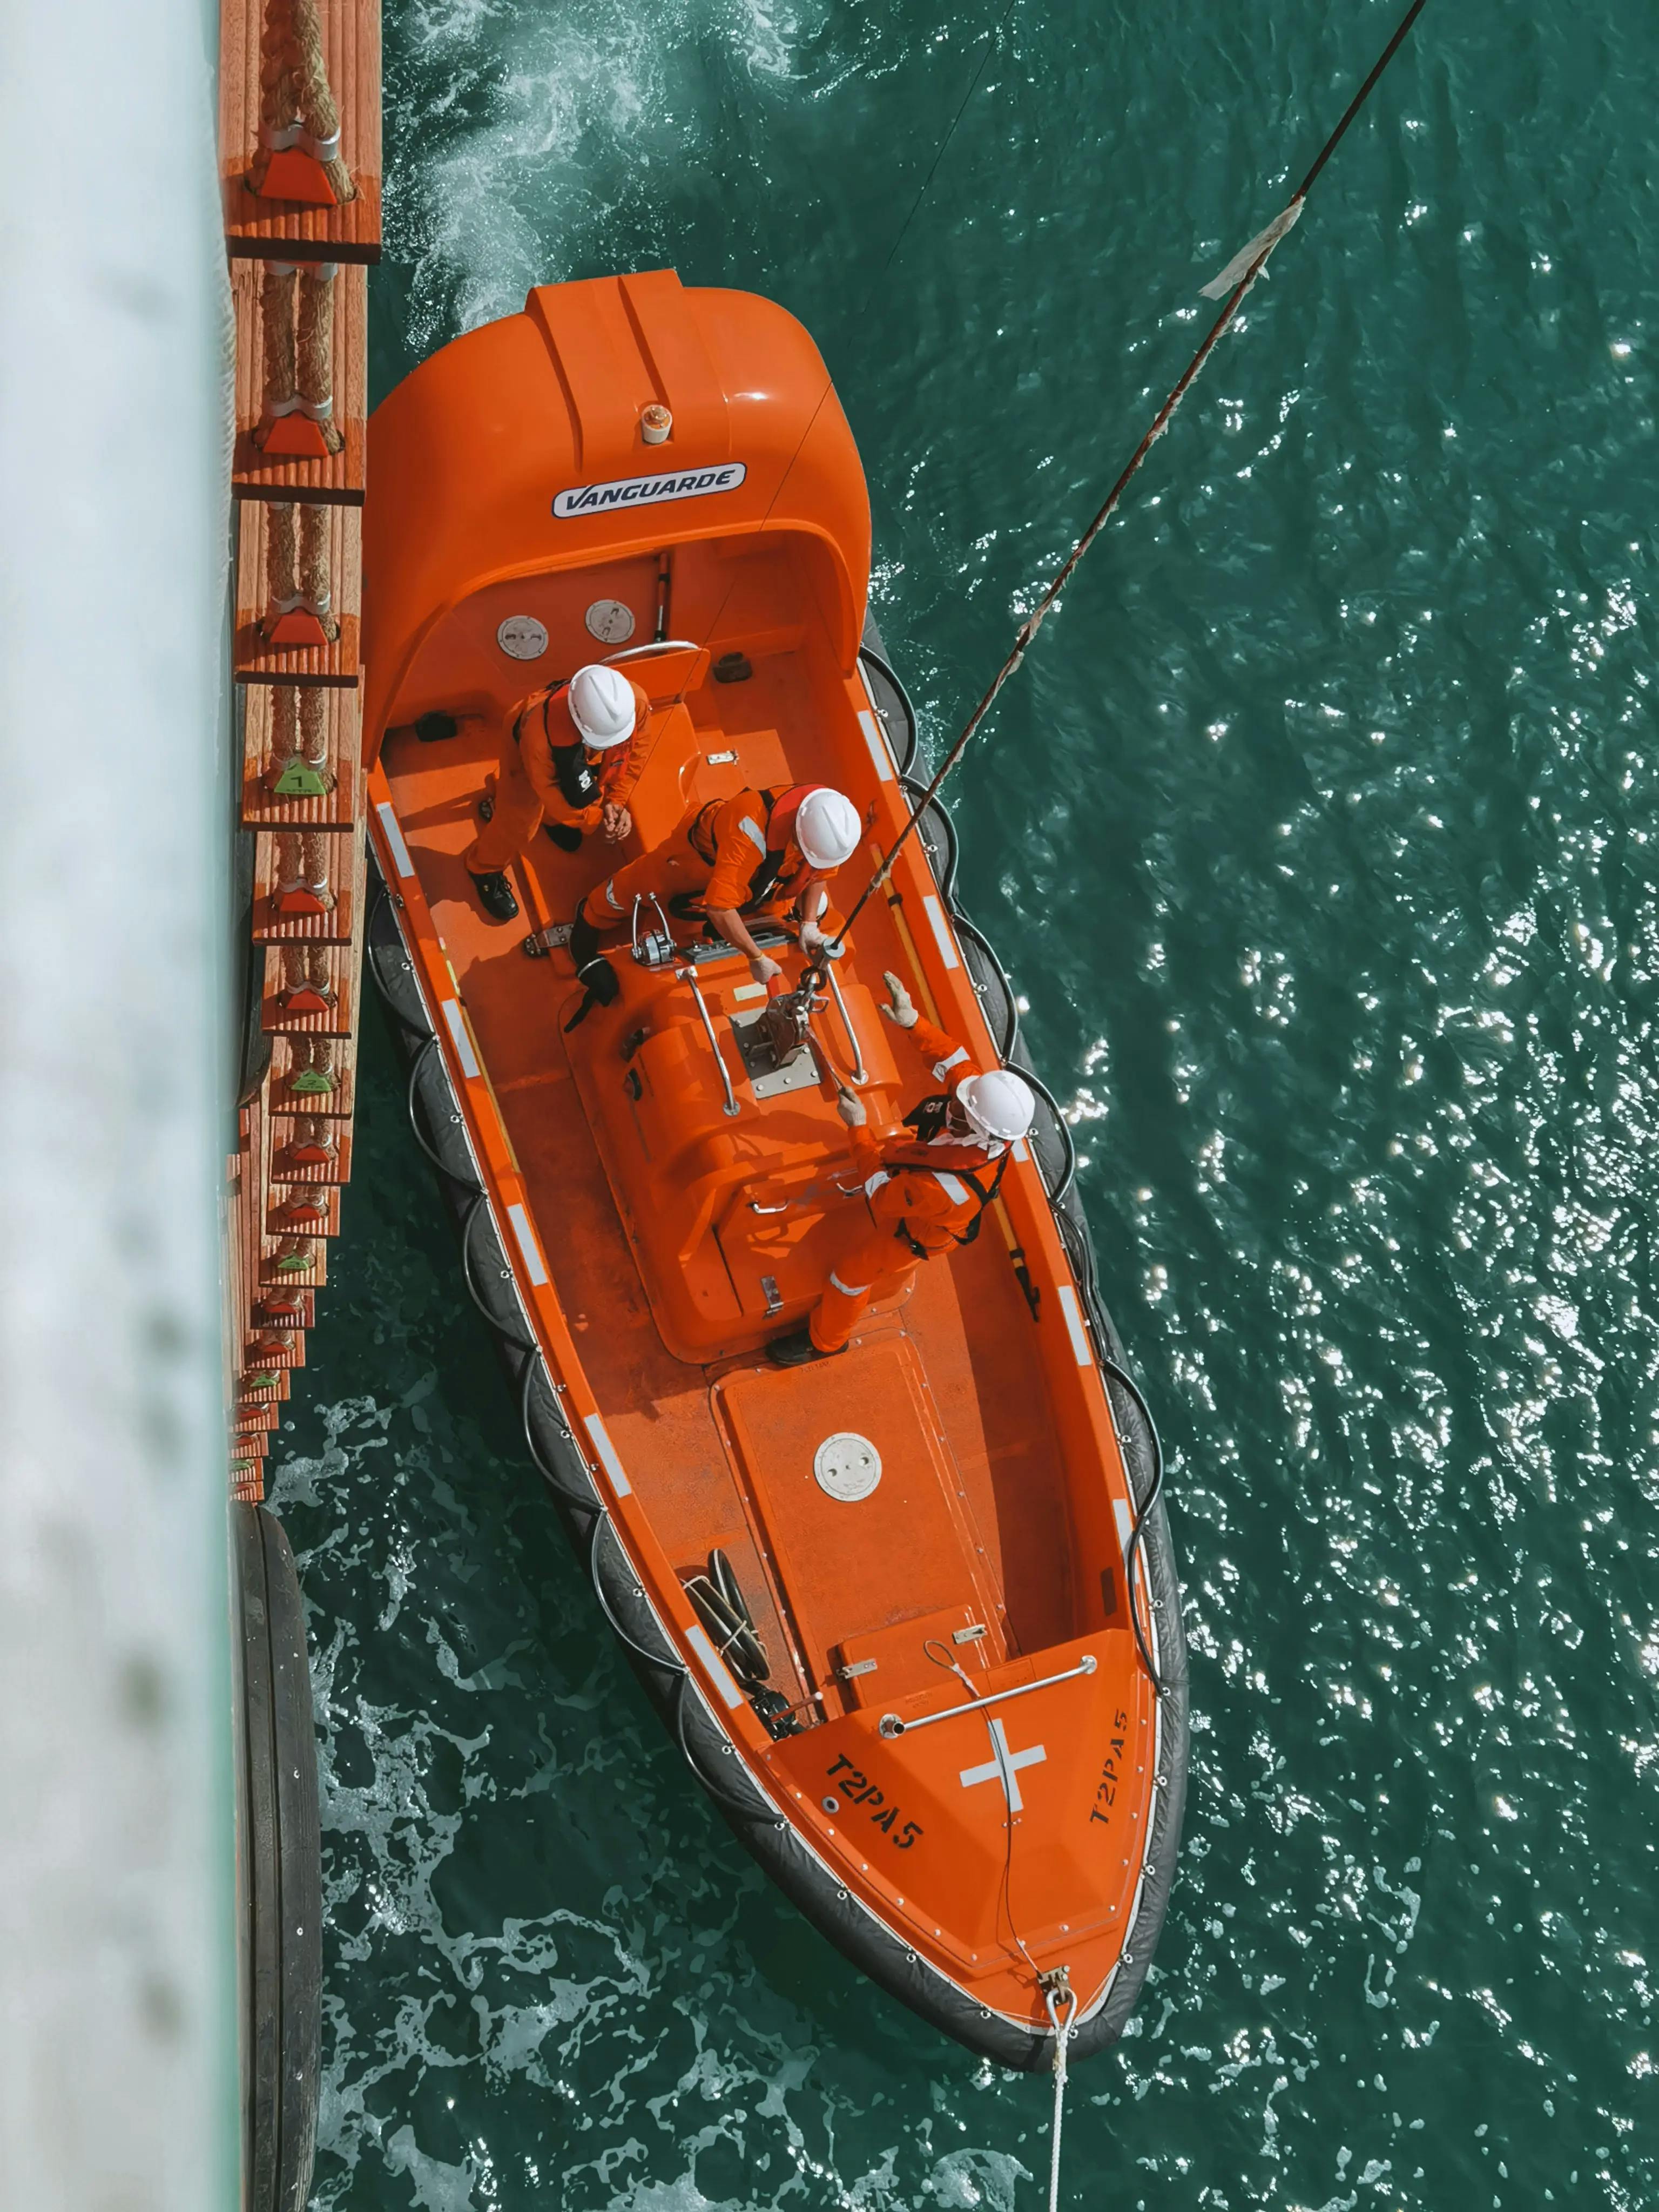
{"x":966,"y":1322}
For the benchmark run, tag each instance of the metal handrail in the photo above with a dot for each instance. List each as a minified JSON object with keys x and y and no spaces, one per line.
{"x":689,"y":975}
{"x":891,"y":1725}
{"x":860,"y":1075}
{"x":656,"y":645}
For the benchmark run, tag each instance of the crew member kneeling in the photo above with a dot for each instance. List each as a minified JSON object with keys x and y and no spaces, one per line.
{"x":570,"y":758}
{"x":758,"y":855}
{"x":925,"y":1193}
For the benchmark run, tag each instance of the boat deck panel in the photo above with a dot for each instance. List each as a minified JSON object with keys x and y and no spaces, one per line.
{"x":966,"y":1321}
{"x":853,"y":1568}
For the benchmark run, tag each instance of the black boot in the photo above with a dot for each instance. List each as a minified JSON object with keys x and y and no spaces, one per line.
{"x":495,"y":897}
{"x":565,"y":836}
{"x":584,"y":939}
{"x":798,"y":1351}
{"x":593,"y":969}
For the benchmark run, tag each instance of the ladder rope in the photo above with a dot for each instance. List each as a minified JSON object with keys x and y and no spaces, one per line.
{"x":1259,"y":249}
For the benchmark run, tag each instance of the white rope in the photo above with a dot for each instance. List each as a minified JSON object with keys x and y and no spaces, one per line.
{"x":1062,"y":2036}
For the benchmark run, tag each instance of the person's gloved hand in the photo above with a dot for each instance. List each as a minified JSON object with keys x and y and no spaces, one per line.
{"x":901,"y":1009}
{"x":815,"y":945}
{"x":764,"y":969}
{"x":851,"y":1110}
{"x":617,"y":823}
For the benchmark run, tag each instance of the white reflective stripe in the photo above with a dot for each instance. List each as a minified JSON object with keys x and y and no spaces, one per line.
{"x":880,"y":1177}
{"x":849,"y":1290}
{"x":958,"y":1193}
{"x":607,"y":1452}
{"x":752,"y":830}
{"x":942,"y":932}
{"x":877,"y":744}
{"x":1080,"y":1335}
{"x":1126,"y":1524}
{"x":1020,"y":1152}
{"x":394,"y":837}
{"x":463,"y":1051}
{"x":942,"y":1067}
{"x":750,"y":991}
{"x":527,"y":1244}
{"x":731,"y":1695}
{"x":610,"y":899}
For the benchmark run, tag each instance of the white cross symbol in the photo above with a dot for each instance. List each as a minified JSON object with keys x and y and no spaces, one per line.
{"x":1005,"y":1766}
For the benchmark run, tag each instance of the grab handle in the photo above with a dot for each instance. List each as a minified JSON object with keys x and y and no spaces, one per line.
{"x":657,"y":645}
{"x":689,"y":975}
{"x":859,"y":1073}
{"x":890,"y":1724}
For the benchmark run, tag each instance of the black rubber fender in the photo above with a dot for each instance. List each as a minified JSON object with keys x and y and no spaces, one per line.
{"x":938,"y":834}
{"x":280,"y":1884}
{"x":387,"y":960}
{"x":490,"y":1281}
{"x":892,"y":700}
{"x":622,"y":1595}
{"x":436,"y":1118}
{"x":991,"y":985}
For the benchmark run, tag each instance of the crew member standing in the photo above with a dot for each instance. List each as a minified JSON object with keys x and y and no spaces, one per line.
{"x":925,"y":1193}
{"x":757,"y":855}
{"x":570,"y":758}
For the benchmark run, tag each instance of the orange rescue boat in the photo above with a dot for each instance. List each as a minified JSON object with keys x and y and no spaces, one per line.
{"x":911,"y":1611}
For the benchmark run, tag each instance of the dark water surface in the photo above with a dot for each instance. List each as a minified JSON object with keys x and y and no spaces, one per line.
{"x":1318,"y":833}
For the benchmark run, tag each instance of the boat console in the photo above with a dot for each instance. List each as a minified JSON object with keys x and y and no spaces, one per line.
{"x":730,"y":1172}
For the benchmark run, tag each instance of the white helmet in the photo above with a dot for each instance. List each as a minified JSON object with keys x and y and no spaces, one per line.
{"x":602,"y":705}
{"x":827,"y":827}
{"x":1000,"y":1104}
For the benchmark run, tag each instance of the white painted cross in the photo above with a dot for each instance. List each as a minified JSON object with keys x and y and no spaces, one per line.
{"x":1005,"y":1767}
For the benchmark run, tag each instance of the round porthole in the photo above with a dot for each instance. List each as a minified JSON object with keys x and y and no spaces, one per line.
{"x":610,"y":621}
{"x":522,"y":637}
{"x":846,"y":1467}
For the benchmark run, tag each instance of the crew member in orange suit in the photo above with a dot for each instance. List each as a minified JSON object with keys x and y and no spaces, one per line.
{"x":570,"y":757}
{"x":757,"y":854}
{"x":924,"y":1193}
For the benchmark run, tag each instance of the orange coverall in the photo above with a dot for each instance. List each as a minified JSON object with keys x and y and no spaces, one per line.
{"x":713,"y":853}
{"x":525,"y":788}
{"x":907,"y":1185}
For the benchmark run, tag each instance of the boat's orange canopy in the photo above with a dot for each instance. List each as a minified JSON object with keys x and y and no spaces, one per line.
{"x":518,"y":451}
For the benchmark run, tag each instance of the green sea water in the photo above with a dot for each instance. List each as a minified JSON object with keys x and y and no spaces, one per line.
{"x":1318,"y":833}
